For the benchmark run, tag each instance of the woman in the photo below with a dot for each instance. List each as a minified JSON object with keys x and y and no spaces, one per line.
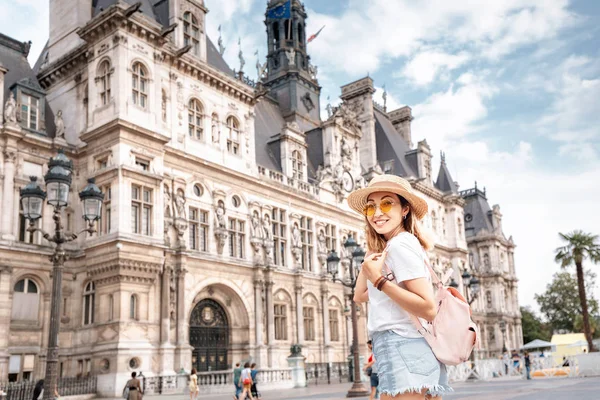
{"x":135,"y":389}
{"x":253,"y":373}
{"x":407,"y":368}
{"x":194,"y":389}
{"x":246,"y":382}
{"x":373,"y":375}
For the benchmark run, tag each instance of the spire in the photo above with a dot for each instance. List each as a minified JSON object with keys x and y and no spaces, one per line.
{"x":384,"y":98}
{"x":444,"y":182}
{"x":241,"y":56}
{"x":221,"y":47}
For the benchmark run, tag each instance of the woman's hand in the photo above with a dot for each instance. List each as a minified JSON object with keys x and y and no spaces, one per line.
{"x":373,"y":265}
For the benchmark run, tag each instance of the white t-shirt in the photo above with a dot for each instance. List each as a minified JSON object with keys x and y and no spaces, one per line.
{"x":405,"y":258}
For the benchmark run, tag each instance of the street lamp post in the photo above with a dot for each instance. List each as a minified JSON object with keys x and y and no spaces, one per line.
{"x":58,"y":182}
{"x":471,"y":285}
{"x":502,"y":325}
{"x":358,"y":389}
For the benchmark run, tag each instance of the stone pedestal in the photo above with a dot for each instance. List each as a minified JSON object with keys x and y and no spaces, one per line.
{"x":167,"y":358}
{"x":296,"y":363}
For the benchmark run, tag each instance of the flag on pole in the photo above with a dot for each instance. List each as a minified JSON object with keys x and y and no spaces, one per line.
{"x":313,"y":37}
{"x":281,"y":11}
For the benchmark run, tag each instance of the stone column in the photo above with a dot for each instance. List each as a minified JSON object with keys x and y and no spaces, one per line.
{"x":326,"y":327}
{"x":167,"y":350}
{"x":5,"y":314}
{"x":8,"y":188}
{"x":270,"y":320}
{"x":165,"y":320}
{"x":258,"y":320}
{"x":299,"y":315}
{"x":183,"y":352}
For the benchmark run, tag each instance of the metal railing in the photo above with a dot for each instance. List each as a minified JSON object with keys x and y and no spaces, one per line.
{"x":160,"y":384}
{"x":66,"y":387}
{"x":326,"y":373}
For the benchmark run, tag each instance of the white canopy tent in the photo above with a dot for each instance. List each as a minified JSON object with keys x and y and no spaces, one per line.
{"x":538,"y":344}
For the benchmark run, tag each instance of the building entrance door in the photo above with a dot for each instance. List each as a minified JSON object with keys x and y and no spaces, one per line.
{"x":209,"y":336}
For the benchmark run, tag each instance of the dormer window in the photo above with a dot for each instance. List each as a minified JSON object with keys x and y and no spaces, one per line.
{"x":233,"y":136}
{"x":30,"y":111}
{"x":297,"y":165}
{"x":191,"y":32}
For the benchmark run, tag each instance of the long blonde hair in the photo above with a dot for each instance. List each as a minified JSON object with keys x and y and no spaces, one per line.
{"x":376,"y":243}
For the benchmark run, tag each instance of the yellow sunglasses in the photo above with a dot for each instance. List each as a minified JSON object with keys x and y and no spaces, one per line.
{"x":385,"y":206}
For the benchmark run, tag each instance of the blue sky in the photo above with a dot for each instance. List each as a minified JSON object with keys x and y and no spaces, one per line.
{"x":509,"y":89}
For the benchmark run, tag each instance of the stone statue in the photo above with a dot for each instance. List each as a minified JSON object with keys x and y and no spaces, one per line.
{"x":291,"y":56}
{"x":346,"y":152}
{"x":313,"y":70}
{"x":180,"y":204}
{"x":256,"y":230}
{"x":267,"y":228}
{"x":321,"y":242}
{"x":220,"y":212}
{"x":167,"y":202}
{"x":60,"y":125}
{"x":216,"y":136}
{"x":323,"y":173}
{"x":164,"y":106}
{"x":296,"y":239}
{"x":10,"y":109}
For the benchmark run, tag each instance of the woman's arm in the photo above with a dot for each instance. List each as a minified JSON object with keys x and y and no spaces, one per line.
{"x":417,"y":298}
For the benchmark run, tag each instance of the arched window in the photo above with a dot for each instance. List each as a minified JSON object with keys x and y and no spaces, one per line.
{"x":334,"y":325}
{"x":139,"y":88}
{"x":89,"y":297}
{"x":195,"y":119}
{"x":297,"y":165}
{"x":133,"y":314}
{"x":104,"y":82}
{"x":280,"y":320}
{"x":309,"y":323}
{"x":111,"y":307}
{"x":434,"y":221}
{"x":276,"y":34}
{"x":300,"y":34}
{"x":233,"y":135}
{"x":191,"y":32}
{"x":25,"y":301}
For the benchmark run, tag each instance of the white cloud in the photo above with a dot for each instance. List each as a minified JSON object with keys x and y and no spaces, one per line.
{"x":457,"y":112}
{"x":368,"y":34}
{"x":25,"y":20}
{"x":427,"y":65}
{"x":392,"y":102}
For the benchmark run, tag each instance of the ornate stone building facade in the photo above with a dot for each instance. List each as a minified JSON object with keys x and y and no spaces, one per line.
{"x":222,"y":196}
{"x":491,"y":255}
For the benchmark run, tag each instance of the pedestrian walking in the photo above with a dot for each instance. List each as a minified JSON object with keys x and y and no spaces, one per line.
{"x":253,"y":374}
{"x":527,"y":366}
{"x":246,"y":382}
{"x":194,"y":389}
{"x":133,"y":388}
{"x":407,"y":368}
{"x":38,"y":390}
{"x":237,"y":372}
{"x":371,"y":371}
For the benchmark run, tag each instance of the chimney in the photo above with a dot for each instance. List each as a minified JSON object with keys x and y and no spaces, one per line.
{"x":401,"y":119}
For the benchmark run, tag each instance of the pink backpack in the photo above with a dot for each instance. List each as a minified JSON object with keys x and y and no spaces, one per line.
{"x":452,"y":334}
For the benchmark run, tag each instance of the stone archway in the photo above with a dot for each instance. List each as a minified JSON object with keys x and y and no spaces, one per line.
{"x":209,"y":336}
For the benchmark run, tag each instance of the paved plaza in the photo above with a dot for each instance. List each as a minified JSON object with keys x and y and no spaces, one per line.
{"x":509,"y":389}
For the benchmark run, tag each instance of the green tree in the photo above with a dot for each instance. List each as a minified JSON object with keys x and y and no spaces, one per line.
{"x":533,"y":327}
{"x":560,"y":302}
{"x":580,"y":246}
{"x":578,"y":325}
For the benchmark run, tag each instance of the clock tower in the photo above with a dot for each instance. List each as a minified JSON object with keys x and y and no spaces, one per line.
{"x":290,"y":78}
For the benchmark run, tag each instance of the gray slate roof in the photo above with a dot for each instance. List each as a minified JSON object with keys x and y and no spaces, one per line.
{"x":391,"y":146}
{"x":214,"y":58}
{"x":444,"y":181}
{"x":268,"y":122}
{"x":13,"y":58}
{"x":478,"y":210}
{"x":158,"y":10}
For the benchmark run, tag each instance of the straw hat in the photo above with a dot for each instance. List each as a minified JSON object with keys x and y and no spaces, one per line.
{"x":388,"y":183}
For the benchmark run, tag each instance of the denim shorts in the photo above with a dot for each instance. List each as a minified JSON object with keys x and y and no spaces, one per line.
{"x":406,"y":365}
{"x":374,"y":379}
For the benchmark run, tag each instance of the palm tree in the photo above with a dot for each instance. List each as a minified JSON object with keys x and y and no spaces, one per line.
{"x":580,"y":246}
